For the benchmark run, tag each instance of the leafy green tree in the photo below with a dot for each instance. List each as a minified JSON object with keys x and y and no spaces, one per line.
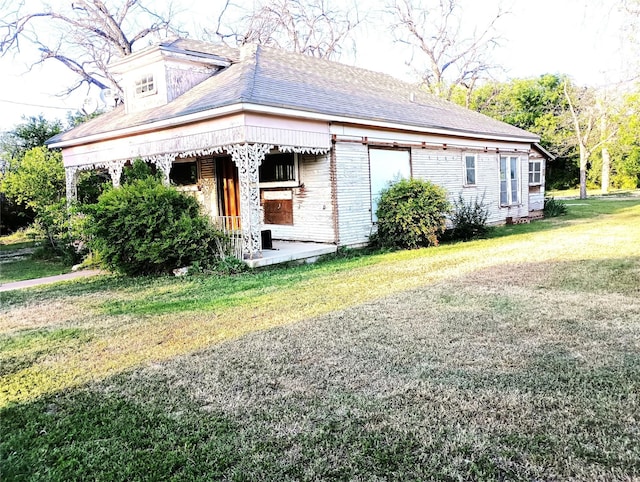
{"x":39,"y":180}
{"x":539,"y":106}
{"x":33,"y":132}
{"x":39,"y":184}
{"x":536,"y":104}
{"x":625,"y":152}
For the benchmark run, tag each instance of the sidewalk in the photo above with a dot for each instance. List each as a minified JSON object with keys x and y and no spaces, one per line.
{"x":16,"y":285}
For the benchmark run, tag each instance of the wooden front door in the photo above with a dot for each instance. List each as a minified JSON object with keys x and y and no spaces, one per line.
{"x":229,"y":189}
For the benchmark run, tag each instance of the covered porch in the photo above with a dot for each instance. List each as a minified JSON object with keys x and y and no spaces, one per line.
{"x":245,"y":148}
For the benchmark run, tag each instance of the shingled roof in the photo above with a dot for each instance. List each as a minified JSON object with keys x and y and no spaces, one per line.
{"x":274,"y":78}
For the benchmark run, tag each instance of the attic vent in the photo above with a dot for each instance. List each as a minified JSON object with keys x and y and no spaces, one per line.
{"x":145,"y":86}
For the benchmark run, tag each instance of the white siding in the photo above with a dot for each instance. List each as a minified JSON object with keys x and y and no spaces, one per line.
{"x":353,"y":193}
{"x":536,"y":199}
{"x":312,"y":205}
{"x":446,"y":168}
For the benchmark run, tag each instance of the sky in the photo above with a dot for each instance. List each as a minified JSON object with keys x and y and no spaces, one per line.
{"x":584,"y":39}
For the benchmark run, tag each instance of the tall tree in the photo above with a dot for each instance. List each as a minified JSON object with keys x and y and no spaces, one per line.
{"x":321,"y":28}
{"x":443,"y":53}
{"x":538,"y":105}
{"x":33,"y":132}
{"x":625,"y":151}
{"x":588,"y":115}
{"x":83,"y":35}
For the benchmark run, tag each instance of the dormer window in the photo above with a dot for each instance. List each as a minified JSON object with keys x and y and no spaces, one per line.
{"x":145,"y":86}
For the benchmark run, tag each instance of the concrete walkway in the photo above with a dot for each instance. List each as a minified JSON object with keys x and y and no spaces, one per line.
{"x":16,"y":285}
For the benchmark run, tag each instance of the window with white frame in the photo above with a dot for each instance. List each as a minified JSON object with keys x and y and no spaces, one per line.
{"x":145,"y":86}
{"x":469,"y":169}
{"x":509,"y":180}
{"x":535,"y":172}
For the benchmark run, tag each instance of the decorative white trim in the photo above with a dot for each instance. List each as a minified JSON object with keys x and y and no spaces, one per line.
{"x":162,"y":162}
{"x":71,"y":179}
{"x":201,"y":152}
{"x":71,"y":175}
{"x":304,"y":150}
{"x":115,"y":171}
{"x":247,"y":158}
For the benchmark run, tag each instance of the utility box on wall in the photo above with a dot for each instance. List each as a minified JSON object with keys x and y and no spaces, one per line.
{"x":277,"y":207}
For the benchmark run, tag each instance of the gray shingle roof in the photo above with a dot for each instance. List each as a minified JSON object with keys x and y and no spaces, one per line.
{"x":274,"y":78}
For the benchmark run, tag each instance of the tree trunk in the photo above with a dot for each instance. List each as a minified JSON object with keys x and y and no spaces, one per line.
{"x":584,"y":157}
{"x":606,"y":167}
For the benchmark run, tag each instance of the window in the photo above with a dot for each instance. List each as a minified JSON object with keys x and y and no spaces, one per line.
{"x":184,"y":173}
{"x":278,"y":168}
{"x":509,"y":180}
{"x":145,"y":86}
{"x":469,"y":170}
{"x":386,"y":166}
{"x":535,"y":172}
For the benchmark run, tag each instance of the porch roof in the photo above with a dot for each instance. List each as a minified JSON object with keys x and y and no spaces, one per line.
{"x":304,"y":86}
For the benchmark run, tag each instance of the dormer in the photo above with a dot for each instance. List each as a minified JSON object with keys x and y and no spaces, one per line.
{"x":158,"y":74}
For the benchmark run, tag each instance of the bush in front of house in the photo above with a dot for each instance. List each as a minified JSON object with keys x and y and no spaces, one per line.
{"x":553,"y":207}
{"x":145,"y":227}
{"x":468,"y":219}
{"x":411,"y":214}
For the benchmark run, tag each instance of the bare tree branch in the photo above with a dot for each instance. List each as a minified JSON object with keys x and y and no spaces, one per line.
{"x":311,"y":27}
{"x":84,"y":35}
{"x":434,"y":30}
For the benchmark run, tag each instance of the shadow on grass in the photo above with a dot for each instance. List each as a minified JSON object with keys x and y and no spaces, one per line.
{"x":358,"y":395}
{"x":554,"y":419}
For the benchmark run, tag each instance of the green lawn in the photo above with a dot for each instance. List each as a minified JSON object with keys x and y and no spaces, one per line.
{"x":511,"y":358}
{"x":30,"y":269}
{"x":566,"y":193}
{"x":25,"y":266}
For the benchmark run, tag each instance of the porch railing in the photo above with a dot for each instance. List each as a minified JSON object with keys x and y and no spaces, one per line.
{"x":230,"y":226}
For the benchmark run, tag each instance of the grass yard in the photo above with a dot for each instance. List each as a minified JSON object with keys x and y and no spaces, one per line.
{"x":29,"y":268}
{"x":17,"y":264}
{"x":511,"y":358}
{"x":615,"y":193}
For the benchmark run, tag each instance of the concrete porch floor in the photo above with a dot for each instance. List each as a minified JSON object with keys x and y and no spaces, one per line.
{"x":284,"y":251}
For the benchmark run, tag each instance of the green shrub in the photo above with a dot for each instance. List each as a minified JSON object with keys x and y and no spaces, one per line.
{"x":145,"y":227}
{"x":469,"y":219}
{"x":140,"y":170}
{"x":553,"y":207}
{"x":411,"y":214}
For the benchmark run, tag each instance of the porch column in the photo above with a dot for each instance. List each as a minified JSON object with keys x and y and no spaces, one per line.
{"x":115,"y":171}
{"x":247,"y":158}
{"x":71,"y":178}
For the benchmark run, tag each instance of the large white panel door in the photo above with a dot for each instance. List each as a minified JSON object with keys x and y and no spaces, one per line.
{"x":386,"y":166}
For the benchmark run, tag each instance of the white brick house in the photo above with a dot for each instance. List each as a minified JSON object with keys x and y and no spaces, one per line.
{"x":270,"y":140}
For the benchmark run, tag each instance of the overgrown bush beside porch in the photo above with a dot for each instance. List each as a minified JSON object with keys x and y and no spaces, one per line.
{"x":145,"y":227}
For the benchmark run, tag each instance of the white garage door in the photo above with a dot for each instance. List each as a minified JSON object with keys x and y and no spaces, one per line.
{"x":386,"y":166}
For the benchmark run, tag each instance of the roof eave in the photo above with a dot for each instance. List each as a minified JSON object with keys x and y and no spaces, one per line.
{"x":287,"y":112}
{"x":545,"y":153}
